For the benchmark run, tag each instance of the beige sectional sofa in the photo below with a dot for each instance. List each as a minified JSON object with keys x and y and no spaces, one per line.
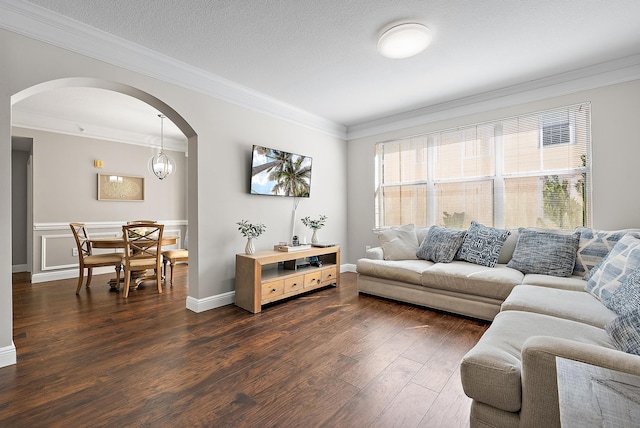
{"x":460,"y":287}
{"x":511,"y":373}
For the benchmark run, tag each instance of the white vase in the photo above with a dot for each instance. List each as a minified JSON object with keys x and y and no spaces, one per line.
{"x":314,"y":237}
{"x":249,"y":248}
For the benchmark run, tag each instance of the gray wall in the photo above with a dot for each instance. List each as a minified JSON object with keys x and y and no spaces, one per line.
{"x":220,"y":139}
{"x":19,"y":160}
{"x":615,"y":151}
{"x":65,"y":190}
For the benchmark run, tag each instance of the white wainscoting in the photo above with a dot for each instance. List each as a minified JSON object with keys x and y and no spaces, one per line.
{"x":102,"y":225}
{"x":55,"y":272}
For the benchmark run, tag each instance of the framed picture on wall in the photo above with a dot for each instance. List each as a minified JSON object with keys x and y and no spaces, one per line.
{"x":115,"y":187}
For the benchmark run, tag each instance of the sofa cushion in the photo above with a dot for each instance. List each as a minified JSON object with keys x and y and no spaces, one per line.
{"x":470,"y":278}
{"x":482,"y":244}
{"x":571,"y":305}
{"x":399,"y":243}
{"x":441,"y":244}
{"x":491,"y":370}
{"x":623,"y":259}
{"x":421,"y":233}
{"x":625,"y":332}
{"x":571,"y":283}
{"x":399,"y":270}
{"x":594,"y":246}
{"x":627,"y":297}
{"x":508,"y":247}
{"x":375,"y":253}
{"x":545,"y":252}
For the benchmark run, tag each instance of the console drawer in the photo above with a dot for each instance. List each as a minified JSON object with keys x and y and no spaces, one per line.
{"x":272,"y":289}
{"x":294,"y":284}
{"x":329,"y":275}
{"x":313,"y":279}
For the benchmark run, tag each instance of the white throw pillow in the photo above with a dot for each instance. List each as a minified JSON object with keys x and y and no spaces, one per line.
{"x":399,"y":243}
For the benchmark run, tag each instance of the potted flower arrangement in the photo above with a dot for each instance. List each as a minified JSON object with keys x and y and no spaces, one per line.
{"x":250,"y":231}
{"x":315,"y":225}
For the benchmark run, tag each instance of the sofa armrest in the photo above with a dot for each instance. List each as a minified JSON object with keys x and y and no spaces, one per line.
{"x":540,"y":403}
{"x":375,"y":253}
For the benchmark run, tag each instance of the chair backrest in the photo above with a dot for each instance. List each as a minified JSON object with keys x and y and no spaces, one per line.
{"x":82,"y":239}
{"x":141,"y":221}
{"x":142,"y":240}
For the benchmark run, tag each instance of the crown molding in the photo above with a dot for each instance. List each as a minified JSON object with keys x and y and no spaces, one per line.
{"x":40,"y":122}
{"x":597,"y":76}
{"x":41,"y":24}
{"x":47,"y":26}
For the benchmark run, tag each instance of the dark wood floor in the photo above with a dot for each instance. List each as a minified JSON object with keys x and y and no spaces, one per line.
{"x":331,"y":358}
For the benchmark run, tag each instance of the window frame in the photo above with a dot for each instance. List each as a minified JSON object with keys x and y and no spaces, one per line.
{"x":496,"y":150}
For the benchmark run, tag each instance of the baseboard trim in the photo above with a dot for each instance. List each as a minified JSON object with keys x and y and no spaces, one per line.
{"x":67,"y":274}
{"x":348,"y":267}
{"x":8,"y":356}
{"x":19,"y":268}
{"x":211,"y":302}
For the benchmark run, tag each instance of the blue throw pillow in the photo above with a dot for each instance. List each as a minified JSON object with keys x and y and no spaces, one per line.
{"x":594,"y":246}
{"x":545,"y":252}
{"x":623,"y":259}
{"x":627,"y":297}
{"x":625,"y":332}
{"x":482,"y":244}
{"x":441,"y":244}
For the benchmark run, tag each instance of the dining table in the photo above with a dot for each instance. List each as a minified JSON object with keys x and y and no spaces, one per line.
{"x":115,"y":242}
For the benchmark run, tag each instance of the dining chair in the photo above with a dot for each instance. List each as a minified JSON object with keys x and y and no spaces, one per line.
{"x":143,"y":251}
{"x":173,"y":256}
{"x":141,"y":221}
{"x":88,"y":260}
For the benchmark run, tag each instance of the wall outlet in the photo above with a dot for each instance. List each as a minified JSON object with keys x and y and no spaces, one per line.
{"x":74,"y":252}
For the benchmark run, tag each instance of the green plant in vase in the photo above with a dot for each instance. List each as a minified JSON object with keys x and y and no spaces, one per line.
{"x":315,"y":225}
{"x":250,"y":231}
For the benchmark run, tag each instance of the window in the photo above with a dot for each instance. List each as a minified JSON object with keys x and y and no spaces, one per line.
{"x":556,"y":128}
{"x":531,"y":170}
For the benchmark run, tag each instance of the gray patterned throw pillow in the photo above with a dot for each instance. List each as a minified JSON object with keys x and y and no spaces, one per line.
{"x":441,"y":244}
{"x":482,"y":244}
{"x":627,"y":297}
{"x":545,"y":252}
{"x":625,"y":332}
{"x":594,"y":246}
{"x":623,"y":259}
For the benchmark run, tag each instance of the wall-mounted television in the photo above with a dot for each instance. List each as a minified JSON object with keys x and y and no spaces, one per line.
{"x":278,"y":173}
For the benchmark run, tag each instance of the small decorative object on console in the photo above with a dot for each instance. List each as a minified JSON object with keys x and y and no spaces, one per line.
{"x":315,"y":225}
{"x":315,"y":261}
{"x":250,"y":231}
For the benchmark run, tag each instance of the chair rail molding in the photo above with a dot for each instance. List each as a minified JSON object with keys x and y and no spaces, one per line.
{"x":101,"y":224}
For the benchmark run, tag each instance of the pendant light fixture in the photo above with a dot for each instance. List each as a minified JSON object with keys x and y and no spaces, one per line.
{"x":161,"y":164}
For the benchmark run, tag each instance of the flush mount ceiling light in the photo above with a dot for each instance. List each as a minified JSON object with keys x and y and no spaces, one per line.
{"x":404,"y":40}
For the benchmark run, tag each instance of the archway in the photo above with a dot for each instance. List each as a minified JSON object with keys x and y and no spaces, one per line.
{"x":172,"y":115}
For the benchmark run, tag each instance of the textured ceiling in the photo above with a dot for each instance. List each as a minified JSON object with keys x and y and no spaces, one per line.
{"x":320,"y":56}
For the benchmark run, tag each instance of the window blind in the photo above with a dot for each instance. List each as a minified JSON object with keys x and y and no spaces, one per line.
{"x":528,"y":170}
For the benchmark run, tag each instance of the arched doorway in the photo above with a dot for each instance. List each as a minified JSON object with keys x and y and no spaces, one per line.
{"x":167,"y":111}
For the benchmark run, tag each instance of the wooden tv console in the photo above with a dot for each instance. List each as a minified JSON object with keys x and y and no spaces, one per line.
{"x":260,"y":279}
